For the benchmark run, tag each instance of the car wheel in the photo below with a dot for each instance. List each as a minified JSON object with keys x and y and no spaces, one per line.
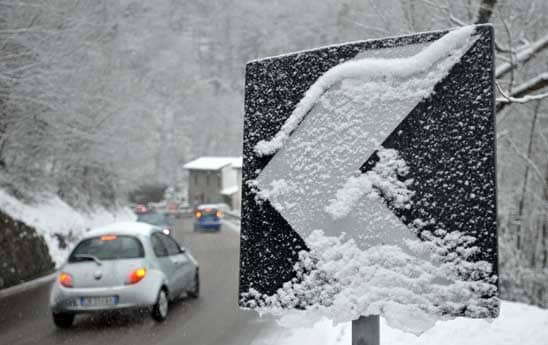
{"x":195,"y":293}
{"x":159,"y":310}
{"x":63,"y":320}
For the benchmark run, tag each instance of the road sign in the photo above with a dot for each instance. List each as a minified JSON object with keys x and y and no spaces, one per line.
{"x":382,"y":144}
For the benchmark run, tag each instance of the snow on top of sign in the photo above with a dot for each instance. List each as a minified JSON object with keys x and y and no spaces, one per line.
{"x":276,"y":188}
{"x":450,"y":46}
{"x":382,"y":179}
{"x":338,"y":280}
{"x":213,"y":163}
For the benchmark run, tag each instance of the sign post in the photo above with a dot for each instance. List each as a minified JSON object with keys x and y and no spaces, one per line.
{"x":369,"y":183}
{"x":366,"y":330}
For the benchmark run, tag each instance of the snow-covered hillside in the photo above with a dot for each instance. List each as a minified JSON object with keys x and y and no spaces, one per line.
{"x":59,"y":224}
{"x":518,"y":324}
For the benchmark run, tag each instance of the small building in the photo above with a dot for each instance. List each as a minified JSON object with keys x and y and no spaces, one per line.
{"x":236,"y":195}
{"x":214,"y":180}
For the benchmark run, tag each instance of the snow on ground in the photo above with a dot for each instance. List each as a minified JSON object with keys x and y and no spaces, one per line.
{"x":518,"y":324}
{"x":55,"y":220}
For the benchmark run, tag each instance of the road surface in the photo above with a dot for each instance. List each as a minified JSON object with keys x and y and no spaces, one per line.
{"x":213,"y":319}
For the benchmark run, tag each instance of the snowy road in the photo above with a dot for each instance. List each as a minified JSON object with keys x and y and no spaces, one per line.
{"x":212,"y":319}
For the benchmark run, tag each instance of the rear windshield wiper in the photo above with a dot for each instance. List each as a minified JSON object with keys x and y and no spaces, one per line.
{"x":88,"y":257}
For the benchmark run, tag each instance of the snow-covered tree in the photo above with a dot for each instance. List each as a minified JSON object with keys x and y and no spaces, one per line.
{"x":99,"y":97}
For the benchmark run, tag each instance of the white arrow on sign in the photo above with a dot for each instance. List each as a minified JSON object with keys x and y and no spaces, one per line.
{"x":338,"y":125}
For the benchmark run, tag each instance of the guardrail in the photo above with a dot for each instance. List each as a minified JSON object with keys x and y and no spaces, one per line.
{"x":31,"y":284}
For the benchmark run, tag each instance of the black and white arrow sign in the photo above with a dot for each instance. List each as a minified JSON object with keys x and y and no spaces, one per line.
{"x":310,"y":180}
{"x":393,"y":145}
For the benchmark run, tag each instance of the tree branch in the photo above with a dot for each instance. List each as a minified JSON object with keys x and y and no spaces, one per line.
{"x":521,"y":94}
{"x":533,"y":84}
{"x":523,"y":56}
{"x":485,"y":11}
{"x":524,"y":99}
{"x":502,"y":49}
{"x":527,"y":160}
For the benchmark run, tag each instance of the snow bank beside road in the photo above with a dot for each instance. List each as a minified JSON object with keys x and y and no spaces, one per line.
{"x":60,"y":224}
{"x":517,"y":324}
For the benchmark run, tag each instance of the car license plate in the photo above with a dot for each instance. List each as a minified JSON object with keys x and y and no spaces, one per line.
{"x":103,"y":301}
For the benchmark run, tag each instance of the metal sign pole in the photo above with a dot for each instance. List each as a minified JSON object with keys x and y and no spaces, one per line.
{"x":366,"y":330}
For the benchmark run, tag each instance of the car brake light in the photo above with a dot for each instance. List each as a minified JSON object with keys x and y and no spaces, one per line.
{"x":207,"y":209}
{"x":65,"y":279}
{"x":218,"y":214}
{"x":108,"y":237}
{"x":198,"y":214}
{"x":137,"y":275}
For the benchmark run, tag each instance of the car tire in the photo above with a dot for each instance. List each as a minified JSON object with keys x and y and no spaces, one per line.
{"x":195,"y":293}
{"x":63,"y":320}
{"x":160,"y":309}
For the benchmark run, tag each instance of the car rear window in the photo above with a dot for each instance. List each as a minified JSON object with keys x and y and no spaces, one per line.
{"x":108,"y":247}
{"x":209,"y":211}
{"x":152,"y":218}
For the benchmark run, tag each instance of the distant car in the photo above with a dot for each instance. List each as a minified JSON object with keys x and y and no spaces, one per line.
{"x":160,"y":219}
{"x":123,"y":266}
{"x":208,"y":217}
{"x":173,"y":209}
{"x":140,"y":208}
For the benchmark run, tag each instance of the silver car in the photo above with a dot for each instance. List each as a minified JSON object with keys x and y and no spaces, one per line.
{"x":122,"y":266}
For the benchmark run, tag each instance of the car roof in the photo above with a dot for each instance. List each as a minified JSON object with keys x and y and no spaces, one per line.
{"x":123,"y":228}
{"x":201,"y":207}
{"x":160,"y":214}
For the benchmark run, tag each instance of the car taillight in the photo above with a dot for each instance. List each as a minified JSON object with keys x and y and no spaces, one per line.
{"x":65,"y":279}
{"x":198,"y":214}
{"x":137,"y":275}
{"x":218,"y":214}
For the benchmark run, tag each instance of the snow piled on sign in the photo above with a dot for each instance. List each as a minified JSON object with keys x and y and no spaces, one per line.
{"x":412,"y":286}
{"x":446,"y":50}
{"x":384,"y":179}
{"x":276,"y":188}
{"x":338,"y":280}
{"x":60,"y":224}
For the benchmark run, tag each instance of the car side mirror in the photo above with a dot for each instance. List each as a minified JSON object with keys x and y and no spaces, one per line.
{"x":182,"y":250}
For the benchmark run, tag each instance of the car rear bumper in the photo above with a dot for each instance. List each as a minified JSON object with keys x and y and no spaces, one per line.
{"x":209,"y":223}
{"x":210,"y":227}
{"x":128,"y":296}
